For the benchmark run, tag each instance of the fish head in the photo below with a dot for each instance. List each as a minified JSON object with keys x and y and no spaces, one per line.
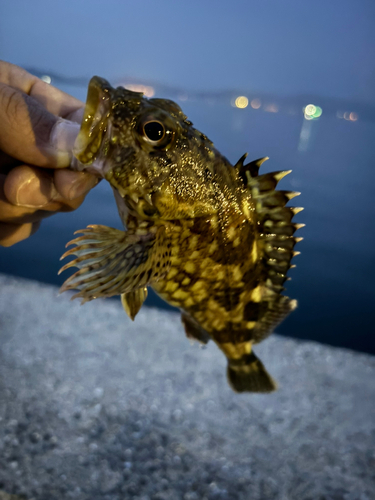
{"x":157,"y":163}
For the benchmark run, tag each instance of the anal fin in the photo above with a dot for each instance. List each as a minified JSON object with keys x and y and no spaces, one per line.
{"x":248,"y":374}
{"x":193,"y":330}
{"x":133,"y":301}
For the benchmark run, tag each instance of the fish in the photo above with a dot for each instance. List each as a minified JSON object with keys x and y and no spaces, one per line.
{"x":215,"y":240}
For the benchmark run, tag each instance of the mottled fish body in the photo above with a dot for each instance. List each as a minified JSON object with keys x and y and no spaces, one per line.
{"x":212,"y":239}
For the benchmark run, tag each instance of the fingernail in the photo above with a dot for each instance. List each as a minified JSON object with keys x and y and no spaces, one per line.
{"x":82,"y":186}
{"x":35,"y":192}
{"x":63,"y":136}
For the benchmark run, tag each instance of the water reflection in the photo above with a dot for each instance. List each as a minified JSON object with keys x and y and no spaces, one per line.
{"x":332,"y":158}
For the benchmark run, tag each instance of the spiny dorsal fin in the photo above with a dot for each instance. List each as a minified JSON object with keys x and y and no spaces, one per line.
{"x":239,"y":165}
{"x":250,"y":170}
{"x":276,"y":243}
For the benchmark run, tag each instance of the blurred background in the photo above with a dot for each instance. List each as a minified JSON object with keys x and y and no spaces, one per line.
{"x":290,"y":80}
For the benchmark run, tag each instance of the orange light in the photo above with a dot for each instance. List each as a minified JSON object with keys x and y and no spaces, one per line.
{"x":256,"y":103}
{"x":271,"y":108}
{"x":353,"y":117}
{"x":145,"y":89}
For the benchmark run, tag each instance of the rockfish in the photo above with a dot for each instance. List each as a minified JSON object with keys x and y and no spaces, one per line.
{"x":213,"y":239}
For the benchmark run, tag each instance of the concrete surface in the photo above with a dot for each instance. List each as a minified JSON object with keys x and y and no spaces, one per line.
{"x":93,"y":406}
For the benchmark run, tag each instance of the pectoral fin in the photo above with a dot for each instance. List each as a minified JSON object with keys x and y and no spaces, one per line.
{"x":112,"y":262}
{"x":132,"y":301}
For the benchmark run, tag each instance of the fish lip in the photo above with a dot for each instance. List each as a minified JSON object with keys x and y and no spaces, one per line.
{"x":99,"y":167}
{"x":95,"y":127}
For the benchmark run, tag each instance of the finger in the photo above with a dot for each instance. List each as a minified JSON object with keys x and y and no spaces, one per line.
{"x":54,"y":100}
{"x":71,"y":185}
{"x":28,"y":187}
{"x":14,"y":233}
{"x":10,"y":213}
{"x":76,"y":115}
{"x":34,"y":188}
{"x":31,"y":134}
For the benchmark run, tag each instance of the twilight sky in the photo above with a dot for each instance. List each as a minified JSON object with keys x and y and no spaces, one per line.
{"x":283,"y":46}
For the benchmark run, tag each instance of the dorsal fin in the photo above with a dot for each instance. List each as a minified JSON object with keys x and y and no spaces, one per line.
{"x":250,"y":170}
{"x":276,"y":242}
{"x":239,"y":164}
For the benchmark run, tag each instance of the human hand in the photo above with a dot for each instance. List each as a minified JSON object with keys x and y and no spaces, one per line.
{"x":38,"y":127}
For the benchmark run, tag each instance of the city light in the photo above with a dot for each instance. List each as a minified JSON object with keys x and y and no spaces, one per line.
{"x":256,"y":103}
{"x":241,"y":102}
{"x":318,"y":112}
{"x":145,"y":89}
{"x":312,"y":112}
{"x":348,"y":116}
{"x":271,"y":108}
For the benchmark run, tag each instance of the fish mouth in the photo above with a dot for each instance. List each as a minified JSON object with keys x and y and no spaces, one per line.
{"x":93,"y":137}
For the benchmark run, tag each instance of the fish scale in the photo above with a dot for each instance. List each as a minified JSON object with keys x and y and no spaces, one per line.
{"x":213,"y":239}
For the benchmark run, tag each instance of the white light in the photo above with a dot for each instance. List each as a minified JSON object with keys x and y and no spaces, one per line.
{"x":46,"y":79}
{"x":310,"y":110}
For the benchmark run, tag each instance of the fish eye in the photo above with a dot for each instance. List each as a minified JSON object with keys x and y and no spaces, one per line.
{"x":154,"y":131}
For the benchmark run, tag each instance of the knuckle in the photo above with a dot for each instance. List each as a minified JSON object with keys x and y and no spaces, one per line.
{"x":12,"y":104}
{"x":21,"y":110}
{"x":41,"y":123}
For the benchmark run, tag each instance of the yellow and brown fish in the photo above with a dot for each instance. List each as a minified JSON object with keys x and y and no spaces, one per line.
{"x":212,"y":239}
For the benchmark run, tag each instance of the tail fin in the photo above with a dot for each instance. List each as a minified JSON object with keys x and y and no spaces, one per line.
{"x":248,"y":374}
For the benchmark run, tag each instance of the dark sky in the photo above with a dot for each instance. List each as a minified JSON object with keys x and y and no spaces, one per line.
{"x":283,"y":46}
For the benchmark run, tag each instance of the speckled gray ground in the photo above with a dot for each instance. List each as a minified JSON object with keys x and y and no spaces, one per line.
{"x":93,"y":406}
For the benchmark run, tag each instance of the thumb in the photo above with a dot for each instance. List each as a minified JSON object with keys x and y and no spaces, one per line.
{"x":61,"y":140}
{"x":31,"y":134}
